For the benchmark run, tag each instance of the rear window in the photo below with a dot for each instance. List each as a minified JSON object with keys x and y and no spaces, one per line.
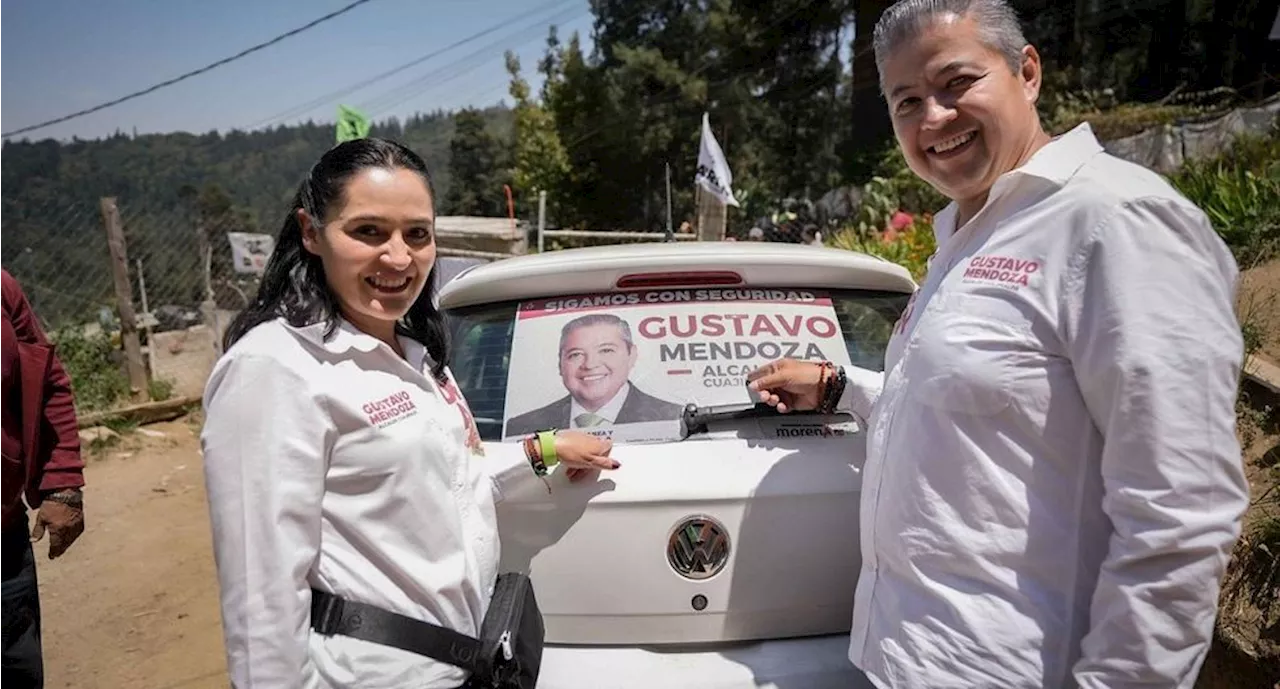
{"x":625,"y":364}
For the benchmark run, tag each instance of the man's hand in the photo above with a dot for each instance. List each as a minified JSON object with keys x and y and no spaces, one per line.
{"x":64,"y":522}
{"x":787,"y":384}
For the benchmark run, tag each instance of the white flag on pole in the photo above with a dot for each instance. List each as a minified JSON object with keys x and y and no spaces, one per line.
{"x":713,"y":172}
{"x":249,"y":251}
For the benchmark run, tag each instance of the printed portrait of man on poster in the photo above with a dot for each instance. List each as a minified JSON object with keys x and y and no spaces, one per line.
{"x":597,"y":354}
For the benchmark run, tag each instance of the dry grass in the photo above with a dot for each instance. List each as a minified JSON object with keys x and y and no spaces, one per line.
{"x":1247,"y":643}
{"x":1126,"y":119}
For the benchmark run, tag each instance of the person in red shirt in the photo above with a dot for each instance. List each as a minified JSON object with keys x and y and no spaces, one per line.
{"x":41,"y":463}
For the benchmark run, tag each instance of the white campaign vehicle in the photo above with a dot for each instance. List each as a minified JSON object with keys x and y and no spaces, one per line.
{"x":724,"y":552}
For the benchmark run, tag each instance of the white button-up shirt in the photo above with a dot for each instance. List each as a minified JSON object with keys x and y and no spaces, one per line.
{"x":341,"y":466}
{"x":1053,"y":481}
{"x":608,"y":413}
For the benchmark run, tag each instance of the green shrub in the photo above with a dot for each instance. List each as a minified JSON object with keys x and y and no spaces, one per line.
{"x":909,"y":248}
{"x":159,"y":389}
{"x":1243,"y":204}
{"x":910,"y":193}
{"x":90,"y":361}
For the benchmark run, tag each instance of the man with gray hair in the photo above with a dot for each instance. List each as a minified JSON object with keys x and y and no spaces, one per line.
{"x":1053,"y":482}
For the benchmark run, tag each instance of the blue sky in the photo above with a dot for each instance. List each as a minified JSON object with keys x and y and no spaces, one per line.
{"x":59,"y":56}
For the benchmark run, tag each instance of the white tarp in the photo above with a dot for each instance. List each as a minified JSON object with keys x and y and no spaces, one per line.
{"x":713,"y":171}
{"x":249,"y":251}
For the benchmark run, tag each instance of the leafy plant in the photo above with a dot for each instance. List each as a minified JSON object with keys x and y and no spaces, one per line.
{"x":912,"y":194}
{"x":121,"y":424}
{"x":159,"y":389}
{"x":1239,"y":190}
{"x":909,"y":248}
{"x":91,"y":362}
{"x":1241,"y":196}
{"x":879,"y":203}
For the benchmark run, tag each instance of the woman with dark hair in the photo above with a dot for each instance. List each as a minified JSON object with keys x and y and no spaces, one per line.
{"x":339,"y":455}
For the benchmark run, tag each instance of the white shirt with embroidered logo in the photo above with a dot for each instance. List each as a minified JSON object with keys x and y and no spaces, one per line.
{"x":1053,"y":481}
{"x":341,"y":466}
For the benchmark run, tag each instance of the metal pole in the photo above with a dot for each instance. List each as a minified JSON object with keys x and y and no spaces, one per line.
{"x":670,"y":229}
{"x":146,"y":315}
{"x":210,"y":306}
{"x":542,"y":217}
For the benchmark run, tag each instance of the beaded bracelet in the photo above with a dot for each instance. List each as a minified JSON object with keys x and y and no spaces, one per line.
{"x":540,"y":449}
{"x":532,"y":453}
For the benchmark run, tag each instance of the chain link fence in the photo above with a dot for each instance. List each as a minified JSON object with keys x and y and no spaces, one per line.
{"x":137,"y":294}
{"x":59,"y":255}
{"x":140,"y":320}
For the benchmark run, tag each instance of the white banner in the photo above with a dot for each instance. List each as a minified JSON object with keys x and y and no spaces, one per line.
{"x":249,"y":252}
{"x":713,"y":172}
{"x":631,"y":361}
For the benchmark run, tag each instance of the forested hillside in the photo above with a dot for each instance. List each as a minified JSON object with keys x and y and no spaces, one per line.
{"x":258,"y":170}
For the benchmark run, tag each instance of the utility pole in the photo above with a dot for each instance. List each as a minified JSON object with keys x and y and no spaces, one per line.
{"x":670,"y":230}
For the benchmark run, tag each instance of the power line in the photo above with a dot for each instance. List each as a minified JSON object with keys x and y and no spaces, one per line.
{"x":469,"y":63}
{"x":417,"y":87}
{"x":333,"y":96}
{"x":192,"y":73}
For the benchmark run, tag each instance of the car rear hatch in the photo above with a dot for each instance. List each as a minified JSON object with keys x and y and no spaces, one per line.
{"x":741,"y":525}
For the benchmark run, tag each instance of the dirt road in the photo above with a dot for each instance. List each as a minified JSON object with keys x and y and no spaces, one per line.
{"x":134,"y":602}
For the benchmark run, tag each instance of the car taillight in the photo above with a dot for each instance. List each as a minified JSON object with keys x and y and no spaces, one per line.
{"x":692,"y":278}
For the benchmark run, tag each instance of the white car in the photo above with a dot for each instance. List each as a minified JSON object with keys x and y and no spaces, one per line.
{"x":724,"y":552}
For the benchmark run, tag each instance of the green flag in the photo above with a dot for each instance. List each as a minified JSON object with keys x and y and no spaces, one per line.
{"x":352,"y":124}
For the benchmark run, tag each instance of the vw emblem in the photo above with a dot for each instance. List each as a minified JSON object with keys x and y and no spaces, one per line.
{"x":698,"y":548}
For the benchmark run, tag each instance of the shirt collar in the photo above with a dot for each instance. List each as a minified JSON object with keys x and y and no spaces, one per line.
{"x":1064,"y":155}
{"x":347,"y":337}
{"x":609,"y":412}
{"x":1056,"y":162}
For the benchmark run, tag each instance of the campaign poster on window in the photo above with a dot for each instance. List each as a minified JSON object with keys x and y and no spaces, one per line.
{"x":626,"y":365}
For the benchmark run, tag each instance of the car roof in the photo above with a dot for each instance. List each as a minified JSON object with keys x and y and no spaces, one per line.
{"x":597,"y":269}
{"x":449,"y":267}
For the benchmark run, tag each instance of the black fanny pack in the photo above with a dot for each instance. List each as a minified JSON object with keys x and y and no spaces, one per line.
{"x":507,"y":655}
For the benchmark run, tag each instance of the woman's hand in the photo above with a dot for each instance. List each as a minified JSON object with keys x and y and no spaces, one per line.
{"x":582,"y":453}
{"x":787,"y":384}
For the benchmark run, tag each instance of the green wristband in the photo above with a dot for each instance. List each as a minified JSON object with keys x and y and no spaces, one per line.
{"x":547,"y":442}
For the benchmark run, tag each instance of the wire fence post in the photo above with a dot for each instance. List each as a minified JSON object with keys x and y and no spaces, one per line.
{"x":147,"y":320}
{"x":124,"y":298}
{"x":208,"y":305}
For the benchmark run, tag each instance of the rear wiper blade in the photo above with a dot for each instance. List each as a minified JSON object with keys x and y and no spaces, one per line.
{"x":696,"y":419}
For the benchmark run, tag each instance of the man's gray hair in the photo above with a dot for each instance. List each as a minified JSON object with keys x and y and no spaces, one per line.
{"x":997,"y":24}
{"x":596,"y":319}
